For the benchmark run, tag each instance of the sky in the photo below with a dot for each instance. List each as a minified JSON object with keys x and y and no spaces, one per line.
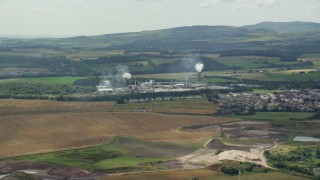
{"x":48,"y":18}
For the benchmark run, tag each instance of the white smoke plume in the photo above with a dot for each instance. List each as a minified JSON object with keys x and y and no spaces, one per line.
{"x":199,"y":67}
{"x":126,"y":75}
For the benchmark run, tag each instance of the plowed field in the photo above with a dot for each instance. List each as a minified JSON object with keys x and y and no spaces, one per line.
{"x":30,"y":134}
{"x":18,"y":107}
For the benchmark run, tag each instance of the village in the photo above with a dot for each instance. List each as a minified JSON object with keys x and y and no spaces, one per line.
{"x":247,"y":103}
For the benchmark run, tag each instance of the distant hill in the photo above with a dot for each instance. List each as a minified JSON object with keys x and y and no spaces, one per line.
{"x":286,"y":27}
{"x":196,"y":39}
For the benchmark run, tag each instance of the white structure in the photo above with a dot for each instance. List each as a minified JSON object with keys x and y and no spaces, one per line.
{"x":105,"y":87}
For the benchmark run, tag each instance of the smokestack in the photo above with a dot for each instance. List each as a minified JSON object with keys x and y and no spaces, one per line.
{"x":199,"y":77}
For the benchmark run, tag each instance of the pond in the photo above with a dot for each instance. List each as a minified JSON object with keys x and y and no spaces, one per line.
{"x":306,"y":139}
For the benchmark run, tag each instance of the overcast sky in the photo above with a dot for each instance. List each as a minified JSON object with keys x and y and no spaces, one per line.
{"x":94,"y":17}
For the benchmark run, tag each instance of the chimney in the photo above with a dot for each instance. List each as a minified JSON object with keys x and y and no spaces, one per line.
{"x":199,"y":77}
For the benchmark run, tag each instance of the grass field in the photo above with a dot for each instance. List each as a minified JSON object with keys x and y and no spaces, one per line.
{"x":282,"y":76}
{"x":25,"y":134}
{"x":122,"y":152}
{"x":201,"y":106}
{"x":183,"y":76}
{"x":251,"y":62}
{"x":203,"y":174}
{"x":265,"y":91}
{"x":274,"y":116}
{"x":179,"y":76}
{"x":93,"y":54}
{"x":31,"y":107}
{"x":217,"y":80}
{"x":315,"y":55}
{"x":32,"y":52}
{"x":45,"y":80}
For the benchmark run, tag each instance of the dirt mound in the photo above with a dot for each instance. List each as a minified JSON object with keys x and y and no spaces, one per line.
{"x":237,"y":155}
{"x":68,"y":172}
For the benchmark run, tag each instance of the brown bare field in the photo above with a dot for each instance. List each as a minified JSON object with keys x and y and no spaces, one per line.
{"x":31,"y":134}
{"x":298,"y":70}
{"x":24,"y":107}
{"x":196,"y":106}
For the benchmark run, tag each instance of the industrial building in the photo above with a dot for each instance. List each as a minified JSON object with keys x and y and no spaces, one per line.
{"x":129,"y":86}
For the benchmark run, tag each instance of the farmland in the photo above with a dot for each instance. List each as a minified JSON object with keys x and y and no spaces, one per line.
{"x":101,"y":138}
{"x":9,"y":107}
{"x":265,"y":91}
{"x":251,"y":62}
{"x":45,"y":80}
{"x":30,"y":134}
{"x":201,"y":106}
{"x":274,"y":116}
{"x":281,"y":76}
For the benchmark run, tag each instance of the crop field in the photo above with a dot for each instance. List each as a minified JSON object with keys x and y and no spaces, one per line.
{"x":31,"y":134}
{"x":265,"y":91}
{"x":315,"y":55}
{"x":201,"y":106}
{"x":179,"y":76}
{"x":44,"y":80}
{"x":218,"y":80}
{"x":298,"y":71}
{"x":251,"y":62}
{"x":39,"y":70}
{"x":203,"y":174}
{"x":274,"y":116}
{"x":93,"y":54}
{"x":28,"y":107}
{"x":183,"y":76}
{"x":32,"y":52}
{"x":281,"y":76}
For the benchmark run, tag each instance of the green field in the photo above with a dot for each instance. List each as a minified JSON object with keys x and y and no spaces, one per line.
{"x":274,"y":116}
{"x":44,"y":80}
{"x":198,"y":106}
{"x":123,"y":152}
{"x":217,"y":80}
{"x":315,"y":55}
{"x":265,"y":91}
{"x":92,"y":54}
{"x":251,"y":62}
{"x":281,"y":76}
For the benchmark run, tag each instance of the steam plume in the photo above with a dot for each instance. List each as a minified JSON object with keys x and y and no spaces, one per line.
{"x":126,"y":75}
{"x":199,"y":67}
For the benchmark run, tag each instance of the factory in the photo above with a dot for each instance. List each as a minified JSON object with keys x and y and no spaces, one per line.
{"x":129,"y":86}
